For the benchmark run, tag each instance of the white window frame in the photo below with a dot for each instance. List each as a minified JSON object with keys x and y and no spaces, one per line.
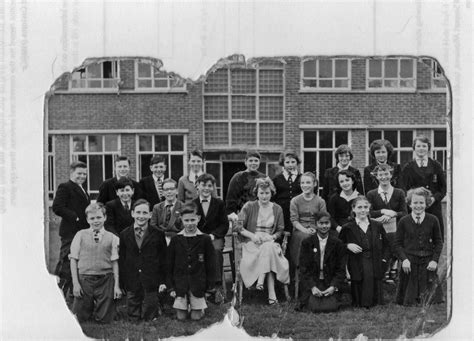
{"x":75,"y":155}
{"x":396,"y":149}
{"x":155,"y":88}
{"x":398,"y":78}
{"x":333,"y":78}
{"x":439,"y":149}
{"x":51,"y":167}
{"x":84,"y":82}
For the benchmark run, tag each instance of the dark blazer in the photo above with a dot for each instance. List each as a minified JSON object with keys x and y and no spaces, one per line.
{"x":215,"y":221}
{"x":145,"y":266}
{"x":283,"y":195}
{"x":147,"y":186}
{"x":108,"y":192}
{"x":378,"y":248}
{"x":117,"y":217}
{"x":191,"y":265}
{"x":396,"y":203}
{"x":334,"y":267}
{"x":159,"y":215}
{"x":330,"y":182}
{"x":370,"y":182}
{"x":70,"y":204}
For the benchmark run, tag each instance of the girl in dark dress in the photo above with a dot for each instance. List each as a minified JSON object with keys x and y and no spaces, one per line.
{"x":368,"y":250}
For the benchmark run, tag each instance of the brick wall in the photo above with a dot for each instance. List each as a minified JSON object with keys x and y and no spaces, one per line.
{"x":127,"y":74}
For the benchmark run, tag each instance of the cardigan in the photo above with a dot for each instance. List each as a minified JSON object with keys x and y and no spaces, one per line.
{"x":370,"y":182}
{"x":241,"y":190}
{"x":396,"y":203}
{"x":249,"y":216}
{"x":303,"y":210}
{"x":330,"y":182}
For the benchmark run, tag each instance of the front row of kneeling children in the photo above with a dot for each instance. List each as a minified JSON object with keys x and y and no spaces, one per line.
{"x":186,"y":268}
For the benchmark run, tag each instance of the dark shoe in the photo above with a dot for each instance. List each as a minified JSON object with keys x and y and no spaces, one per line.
{"x":272,"y":301}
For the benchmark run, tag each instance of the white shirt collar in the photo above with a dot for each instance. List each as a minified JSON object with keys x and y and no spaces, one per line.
{"x":424,"y":159}
{"x":208,"y":199}
{"x":364,"y":225}
{"x":155,"y":178}
{"x":323,"y":240}
{"x":198,"y":232}
{"x":172,"y":204}
{"x":422,"y":217}
{"x":354,"y":195}
{"x":143,"y":228}
{"x":286,"y":174}
{"x":389,"y":192}
{"x":343,"y":168}
{"x":193,"y":176}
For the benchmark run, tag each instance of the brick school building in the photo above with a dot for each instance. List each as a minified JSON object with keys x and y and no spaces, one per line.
{"x":131,"y":106}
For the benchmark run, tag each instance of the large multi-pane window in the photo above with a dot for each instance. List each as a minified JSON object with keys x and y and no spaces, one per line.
{"x":101,"y":75}
{"x":150,"y":77}
{"x":437,"y":77}
{"x":51,"y":170}
{"x":391,"y":73}
{"x":99,"y":153}
{"x":326,"y":74}
{"x":244,"y":107}
{"x":319,"y":147}
{"x":439,"y":146}
{"x":172,"y":147}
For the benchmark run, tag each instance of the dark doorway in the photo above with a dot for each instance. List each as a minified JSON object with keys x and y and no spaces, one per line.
{"x":229,"y":168}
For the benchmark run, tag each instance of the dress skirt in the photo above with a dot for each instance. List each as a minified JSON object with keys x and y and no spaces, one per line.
{"x":418,"y":285}
{"x":261,"y":259}
{"x":368,"y":291}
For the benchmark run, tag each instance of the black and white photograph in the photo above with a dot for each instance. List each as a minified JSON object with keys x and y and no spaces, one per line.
{"x":236,"y":169}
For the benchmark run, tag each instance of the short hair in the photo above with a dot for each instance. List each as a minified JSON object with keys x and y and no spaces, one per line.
{"x":349,"y":174}
{"x":205,"y":177}
{"x":378,"y":144}
{"x":77,"y":164}
{"x":157,"y":159}
{"x":321,"y":214}
{"x":359,"y":198}
{"x":382,"y":168}
{"x":95,"y":207}
{"x":343,"y":149}
{"x":252,"y":153}
{"x":189,"y":208}
{"x":140,"y":202}
{"x":421,"y":191}
{"x":198,"y":153}
{"x":312,"y":176}
{"x":123,"y":182}
{"x":122,"y":158}
{"x":422,"y":138}
{"x":264,"y":183}
{"x":288,"y":153}
{"x":170,"y":181}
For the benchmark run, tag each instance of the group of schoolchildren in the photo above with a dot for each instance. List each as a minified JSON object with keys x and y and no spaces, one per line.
{"x":145,"y":242}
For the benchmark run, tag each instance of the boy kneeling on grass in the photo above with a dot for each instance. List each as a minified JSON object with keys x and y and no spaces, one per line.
{"x":142,"y":264}
{"x":191,"y":266}
{"x":94,"y":269}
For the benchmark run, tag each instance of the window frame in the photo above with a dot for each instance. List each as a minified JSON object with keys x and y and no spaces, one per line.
{"x":86,"y":80}
{"x":435,"y":75}
{"x":333,"y":79}
{"x":384,"y":88}
{"x":154,"y":88}
{"x":442,"y":149}
{"x":51,"y":166}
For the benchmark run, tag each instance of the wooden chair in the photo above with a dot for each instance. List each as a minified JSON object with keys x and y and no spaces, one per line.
{"x":229,"y":251}
{"x":237,"y":243}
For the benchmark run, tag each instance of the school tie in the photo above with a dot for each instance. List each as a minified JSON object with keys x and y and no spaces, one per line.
{"x":96,"y":236}
{"x":168,"y":214}
{"x":290,"y":179}
{"x":205,"y":206}
{"x":125,"y":206}
{"x":139,"y":233}
{"x":159,"y":188}
{"x":418,"y":220}
{"x":385,"y":197}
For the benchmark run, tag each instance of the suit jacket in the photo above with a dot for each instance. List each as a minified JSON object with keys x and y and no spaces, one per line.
{"x":191,"y":265}
{"x":330,"y":182}
{"x":145,"y":266}
{"x":215,"y":221}
{"x":334,"y":267}
{"x":370,"y":182}
{"x":159,"y":215}
{"x":117,"y":217}
{"x":396,"y":203}
{"x":108,"y":192}
{"x":377,"y":248}
{"x":148,"y":188}
{"x":283,"y":195}
{"x":70,"y":204}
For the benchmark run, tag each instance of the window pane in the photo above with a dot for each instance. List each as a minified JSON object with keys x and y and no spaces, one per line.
{"x":374,"y":135}
{"x":216,"y":133}
{"x":94,"y":71}
{"x":95,"y":143}
{"x":145,"y":165}
{"x":325,"y":139}
{"x":108,"y":69}
{"x":377,"y":83}
{"x":325,"y":83}
{"x":341,"y":68}
{"x":50,"y":144}
{"x":341,"y":83}
{"x":309,"y":161}
{"x":440,"y":156}
{"x":243,"y":107}
{"x":50,"y":173}
{"x":325,"y":68}
{"x":390,"y":83}
{"x":391,"y":68}
{"x":144,"y":70}
{"x":111,"y":143}
{"x":406,"y":138}
{"x":161,"y":83}
{"x":309,"y":68}
{"x":144,"y":83}
{"x":243,"y":81}
{"x":109,"y":166}
{"x":407,"y":83}
{"x":144,"y":142}
{"x":217,"y":81}
{"x":405,"y":156}
{"x":177,"y":143}
{"x":440,"y":139}
{"x":391,"y":135}
{"x":309,"y":83}
{"x":325,"y":162}
{"x":176,"y":168}
{"x":82,"y":158}
{"x":95,"y":172}
{"x":406,"y":68}
{"x":375,"y":68}
{"x":309,"y":139}
{"x":341,"y":137}
{"x":244,"y":133}
{"x":161,"y":143}
{"x":79,"y":143}
{"x":94,"y":84}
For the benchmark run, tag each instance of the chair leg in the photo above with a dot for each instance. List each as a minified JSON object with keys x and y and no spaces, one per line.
{"x":224,"y":286}
{"x":232,"y":265}
{"x":241,"y":291}
{"x":287,"y":293}
{"x":297,"y":283}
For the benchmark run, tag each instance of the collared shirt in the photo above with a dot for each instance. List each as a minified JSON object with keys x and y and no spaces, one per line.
{"x":322,"y":246}
{"x":129,"y":204}
{"x":193,"y":176}
{"x":205,"y":202}
{"x":156,"y":178}
{"x":389,"y":192}
{"x":286,"y":174}
{"x":183,"y":232}
{"x":97,"y":233}
{"x":424,"y":159}
{"x":364,"y":225}
{"x":343,"y":168}
{"x":354,"y":195}
{"x":171,"y":204}
{"x":421,"y":216}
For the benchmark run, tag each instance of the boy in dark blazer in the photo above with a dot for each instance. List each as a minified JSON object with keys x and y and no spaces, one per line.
{"x":107,"y":190}
{"x":70,"y":204}
{"x":142,"y":263}
{"x":191,"y":266}
{"x":119,"y":210}
{"x":165,"y":216}
{"x":213,"y":222}
{"x":152,"y":185}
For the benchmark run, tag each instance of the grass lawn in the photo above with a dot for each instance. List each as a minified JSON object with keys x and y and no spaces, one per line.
{"x":258,"y":319}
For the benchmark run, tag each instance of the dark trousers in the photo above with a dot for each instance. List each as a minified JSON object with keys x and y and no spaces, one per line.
{"x":437,"y":211}
{"x":218,"y":244}
{"x":97,"y":299}
{"x":63,"y":270}
{"x":143,"y":304}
